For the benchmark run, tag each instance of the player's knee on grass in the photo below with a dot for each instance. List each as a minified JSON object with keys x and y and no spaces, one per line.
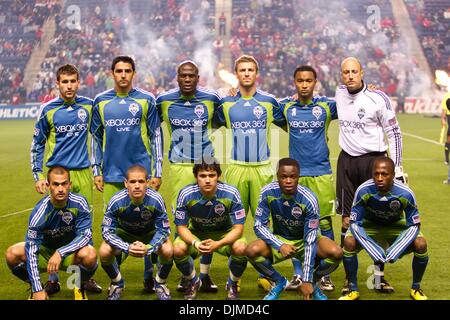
{"x":420,"y":245}
{"x":349,"y":244}
{"x":15,"y":254}
{"x":180,"y":250}
{"x":86,"y":256}
{"x":239,"y":248}
{"x":166,"y":250}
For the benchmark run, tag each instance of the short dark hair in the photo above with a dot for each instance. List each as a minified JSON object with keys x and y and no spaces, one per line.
{"x":126,"y":59}
{"x":57,"y":170}
{"x":305,"y":68}
{"x":211,"y":164}
{"x":288,"y":162}
{"x":68,"y":69}
{"x":384,"y":159}
{"x":136,"y":167}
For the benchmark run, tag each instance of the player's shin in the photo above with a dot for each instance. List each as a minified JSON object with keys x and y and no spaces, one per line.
{"x":164,"y":267}
{"x":112,"y":270}
{"x":264,"y":266}
{"x":148,"y":267}
{"x":350,"y":262}
{"x":87,"y":273}
{"x":419,"y":264}
{"x":20,"y":271}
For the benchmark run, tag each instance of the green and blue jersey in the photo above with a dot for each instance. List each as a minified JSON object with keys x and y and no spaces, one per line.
{"x":138,"y":219}
{"x":384,"y":210}
{"x":66,"y":229}
{"x":203,"y":214}
{"x":307,"y":127}
{"x":64,"y":127}
{"x":189,"y":121}
{"x":125,"y":131}
{"x":293,"y":217}
{"x":249,"y":119}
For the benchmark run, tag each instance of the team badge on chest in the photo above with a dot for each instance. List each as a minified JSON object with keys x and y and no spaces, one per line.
{"x":296,"y":212}
{"x":361,"y":113}
{"x":146,"y":215}
{"x":258,"y":111}
{"x":66,"y":216}
{"x":133,"y":108}
{"x":219,"y":209}
{"x":199,"y":110}
{"x":82,"y":115}
{"x":317,"y":112}
{"x":395,"y":205}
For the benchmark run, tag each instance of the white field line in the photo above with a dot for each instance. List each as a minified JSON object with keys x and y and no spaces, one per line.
{"x":14,"y":213}
{"x":422,"y":138}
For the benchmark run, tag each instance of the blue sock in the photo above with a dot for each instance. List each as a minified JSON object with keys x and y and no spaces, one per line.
{"x":326,"y":266}
{"x":419,"y":264}
{"x":297,"y":267}
{"x":205,"y":260}
{"x":326,"y":228}
{"x":237,"y":266}
{"x":351,"y":269}
{"x":187,"y":267}
{"x":86,"y":274}
{"x":148,"y":267}
{"x":53,"y":277}
{"x":20,"y":271}
{"x":265,"y":267}
{"x":164,"y":268}
{"x":112,"y":270}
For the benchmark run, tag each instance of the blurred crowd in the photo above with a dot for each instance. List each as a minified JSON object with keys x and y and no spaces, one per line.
{"x":281,"y":34}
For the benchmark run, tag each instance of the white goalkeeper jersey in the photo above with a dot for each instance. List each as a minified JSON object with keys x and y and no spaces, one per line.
{"x":364,"y":120}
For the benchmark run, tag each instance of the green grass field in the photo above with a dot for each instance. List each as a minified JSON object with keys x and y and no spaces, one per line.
{"x":423,"y":161}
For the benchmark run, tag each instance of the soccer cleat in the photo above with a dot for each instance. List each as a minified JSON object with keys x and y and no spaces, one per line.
{"x":265,"y":283}
{"x":345,"y":288}
{"x":114,"y":292}
{"x":326,"y":284}
{"x":238,"y":284}
{"x":79,"y":294}
{"x":233,"y":293}
{"x":352,"y":295}
{"x":92,"y":286}
{"x":208,"y":285}
{"x":318,"y":294}
{"x":276,"y":290}
{"x":162,"y":291}
{"x":182,"y":284}
{"x":191,"y":291}
{"x":295,"y":282}
{"x":417,"y":294}
{"x":52,"y":287}
{"x":149,"y":285}
{"x":383,"y":286}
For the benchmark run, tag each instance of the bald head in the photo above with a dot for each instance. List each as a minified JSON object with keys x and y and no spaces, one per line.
{"x":352,"y":73}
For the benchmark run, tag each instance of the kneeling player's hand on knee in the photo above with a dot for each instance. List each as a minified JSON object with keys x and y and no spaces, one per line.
{"x":137,"y":249}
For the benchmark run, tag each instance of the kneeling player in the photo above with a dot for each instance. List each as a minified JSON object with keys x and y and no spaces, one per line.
{"x":136,"y":224}
{"x":59,"y":234}
{"x":209,"y":218}
{"x":384,"y":209}
{"x":294,"y":212}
